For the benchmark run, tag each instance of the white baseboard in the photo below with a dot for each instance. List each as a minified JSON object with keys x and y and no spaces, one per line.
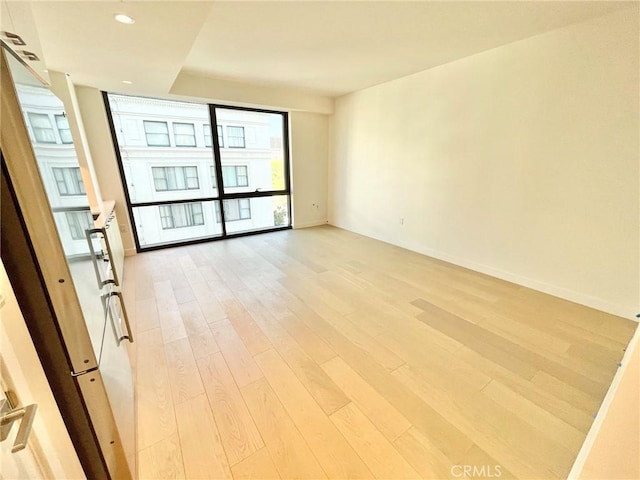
{"x":556,"y":291}
{"x":316,"y":223}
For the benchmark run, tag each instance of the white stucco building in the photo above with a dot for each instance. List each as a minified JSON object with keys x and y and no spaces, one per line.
{"x":53,"y":146}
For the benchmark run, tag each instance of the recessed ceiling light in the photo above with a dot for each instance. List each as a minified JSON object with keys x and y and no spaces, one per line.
{"x":122,"y":18}
{"x":127,"y":82}
{"x":45,"y":70}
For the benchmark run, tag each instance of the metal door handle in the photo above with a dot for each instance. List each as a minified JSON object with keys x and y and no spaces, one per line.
{"x":125,"y":318}
{"x":10,"y":416}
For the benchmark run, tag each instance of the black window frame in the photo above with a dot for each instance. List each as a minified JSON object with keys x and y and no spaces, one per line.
{"x":220,"y":195}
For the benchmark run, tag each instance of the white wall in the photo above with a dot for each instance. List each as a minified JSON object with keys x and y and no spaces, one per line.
{"x":521,"y":162}
{"x":309,"y":152}
{"x":96,"y":126}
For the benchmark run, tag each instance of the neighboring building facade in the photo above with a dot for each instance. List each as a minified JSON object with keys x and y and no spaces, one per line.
{"x":50,"y":136}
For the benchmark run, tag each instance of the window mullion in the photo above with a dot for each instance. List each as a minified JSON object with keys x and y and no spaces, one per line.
{"x":217,"y":159}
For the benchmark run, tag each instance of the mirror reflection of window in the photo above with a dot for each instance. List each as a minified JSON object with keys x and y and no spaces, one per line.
{"x":41,"y":127}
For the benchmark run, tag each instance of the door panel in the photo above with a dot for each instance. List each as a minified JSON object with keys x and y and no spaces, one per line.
{"x":49,"y":452}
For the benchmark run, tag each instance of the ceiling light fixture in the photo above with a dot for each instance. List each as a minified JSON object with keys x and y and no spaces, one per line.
{"x":123,"y":18}
{"x":127,"y":82}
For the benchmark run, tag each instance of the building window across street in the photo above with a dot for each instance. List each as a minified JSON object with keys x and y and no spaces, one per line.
{"x":42,"y":128}
{"x":184,"y":134}
{"x":157,"y":133}
{"x":79,"y":222}
{"x":235,"y":176}
{"x":62,"y":122}
{"x":181,"y":215}
{"x":235,"y":137}
{"x":175,"y":178}
{"x":235,"y":209}
{"x":69,"y":181}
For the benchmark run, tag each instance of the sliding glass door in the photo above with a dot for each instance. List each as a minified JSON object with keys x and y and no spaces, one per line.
{"x":195,"y":172}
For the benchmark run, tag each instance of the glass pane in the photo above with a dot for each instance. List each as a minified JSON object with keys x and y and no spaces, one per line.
{"x":154,"y":175}
{"x":249,"y":214}
{"x":252,"y":150}
{"x":177,"y":222}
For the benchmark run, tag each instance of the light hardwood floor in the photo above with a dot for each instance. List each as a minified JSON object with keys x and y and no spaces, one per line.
{"x":319,"y":353}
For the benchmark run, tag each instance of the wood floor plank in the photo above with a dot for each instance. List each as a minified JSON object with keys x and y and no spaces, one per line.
{"x":155,"y":408}
{"x":381,"y":413}
{"x":202,"y":451}
{"x":238,"y":433}
{"x":326,"y":393}
{"x":565,"y":434}
{"x":146,"y":314}
{"x":485,"y":465}
{"x":291,"y":455}
{"x":162,"y":460}
{"x":171,"y":325}
{"x":379,"y":455}
{"x":240,"y":361}
{"x":258,"y":466}
{"x":313,"y":345}
{"x":451,"y":441}
{"x":562,"y":390}
{"x":546,"y":398}
{"x":335,"y":455}
{"x":423,"y":455}
{"x":200,"y":336}
{"x":520,"y":447}
{"x":247,"y":329}
{"x":183,"y":373}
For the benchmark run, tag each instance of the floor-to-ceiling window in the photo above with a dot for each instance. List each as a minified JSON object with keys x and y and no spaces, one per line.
{"x":184,"y":184}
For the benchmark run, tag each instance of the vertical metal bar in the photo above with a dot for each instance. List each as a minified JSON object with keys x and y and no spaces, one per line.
{"x":217,"y":159}
{"x":287,"y":161}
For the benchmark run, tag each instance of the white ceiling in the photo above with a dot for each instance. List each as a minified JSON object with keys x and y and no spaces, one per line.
{"x":324,"y":47}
